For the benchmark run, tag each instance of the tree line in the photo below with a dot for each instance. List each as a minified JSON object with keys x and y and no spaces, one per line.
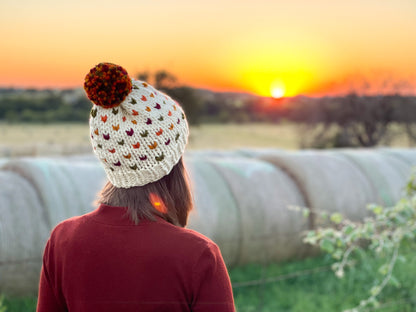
{"x":345,"y":121}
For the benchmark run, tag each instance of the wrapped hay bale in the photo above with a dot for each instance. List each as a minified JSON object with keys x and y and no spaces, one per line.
{"x":328,"y":183}
{"x":269,"y":230}
{"x":216,"y":214}
{"x":83,"y":157}
{"x":406,"y":155}
{"x":208,"y":153}
{"x":257,"y":152}
{"x":65,"y":188}
{"x":386,"y":173}
{"x":23,"y":234}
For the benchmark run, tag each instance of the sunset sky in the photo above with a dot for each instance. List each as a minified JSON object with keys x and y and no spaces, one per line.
{"x":296,"y":47}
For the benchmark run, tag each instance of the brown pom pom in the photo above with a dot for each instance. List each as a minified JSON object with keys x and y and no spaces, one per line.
{"x":107,"y":85}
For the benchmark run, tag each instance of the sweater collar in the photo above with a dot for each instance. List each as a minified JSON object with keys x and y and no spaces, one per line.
{"x":114,"y":215}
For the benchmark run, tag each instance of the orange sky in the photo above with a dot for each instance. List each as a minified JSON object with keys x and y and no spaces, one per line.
{"x":301,"y":46}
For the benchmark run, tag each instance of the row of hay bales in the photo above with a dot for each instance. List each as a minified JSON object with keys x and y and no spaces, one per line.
{"x":242,"y":200}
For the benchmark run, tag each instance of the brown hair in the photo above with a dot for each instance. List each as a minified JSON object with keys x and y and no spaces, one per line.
{"x":169,"y":198}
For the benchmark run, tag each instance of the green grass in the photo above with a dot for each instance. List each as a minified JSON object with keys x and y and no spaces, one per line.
{"x":18,"y":304}
{"x":322,"y":291}
{"x":319,"y":291}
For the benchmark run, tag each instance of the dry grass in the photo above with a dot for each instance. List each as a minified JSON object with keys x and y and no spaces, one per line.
{"x":63,"y":139}
{"x":51,"y":139}
{"x":231,"y":136}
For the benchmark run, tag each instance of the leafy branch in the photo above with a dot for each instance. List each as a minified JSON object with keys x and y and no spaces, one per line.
{"x":383,"y":234}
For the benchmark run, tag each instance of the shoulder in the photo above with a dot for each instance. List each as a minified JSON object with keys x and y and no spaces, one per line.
{"x":188,"y":241}
{"x":196,"y":236}
{"x":191,"y":236}
{"x":68,"y":226}
{"x":60,"y":236}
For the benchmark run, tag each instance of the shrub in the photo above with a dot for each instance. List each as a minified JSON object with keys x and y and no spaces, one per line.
{"x":384,"y":235}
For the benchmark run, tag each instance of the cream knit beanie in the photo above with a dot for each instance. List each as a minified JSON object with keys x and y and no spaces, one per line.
{"x":137,"y":132}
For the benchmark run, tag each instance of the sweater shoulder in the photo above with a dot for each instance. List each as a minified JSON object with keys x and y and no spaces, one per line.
{"x":190,"y":237}
{"x":68,"y":225}
{"x":197,"y":237}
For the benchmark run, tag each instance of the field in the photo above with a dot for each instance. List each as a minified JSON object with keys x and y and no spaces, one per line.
{"x":63,"y":139}
{"x":53,"y":139}
{"x":298,"y":286}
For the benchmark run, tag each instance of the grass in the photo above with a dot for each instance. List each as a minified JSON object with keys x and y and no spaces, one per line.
{"x":66,"y":138}
{"x":320,"y":291}
{"x":232,"y":136}
{"x":18,"y":304}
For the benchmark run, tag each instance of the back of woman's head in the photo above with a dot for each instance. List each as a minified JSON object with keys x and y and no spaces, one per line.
{"x":169,"y":198}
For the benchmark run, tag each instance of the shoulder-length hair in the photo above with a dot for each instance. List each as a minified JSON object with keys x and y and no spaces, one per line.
{"x":169,"y":198}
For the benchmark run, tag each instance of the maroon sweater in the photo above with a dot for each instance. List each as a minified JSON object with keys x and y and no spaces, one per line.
{"x":103,"y":262}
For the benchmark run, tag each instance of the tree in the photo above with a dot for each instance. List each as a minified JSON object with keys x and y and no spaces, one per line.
{"x":164,"y":80}
{"x":186,"y":96}
{"x":406,"y":115}
{"x":144,"y":76}
{"x":366,"y":118}
{"x":349,"y":121}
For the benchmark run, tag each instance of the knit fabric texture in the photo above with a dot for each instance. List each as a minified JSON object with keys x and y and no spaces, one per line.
{"x":142,"y":138}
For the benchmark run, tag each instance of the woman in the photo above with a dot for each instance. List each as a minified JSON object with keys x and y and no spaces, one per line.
{"x":133,"y":253}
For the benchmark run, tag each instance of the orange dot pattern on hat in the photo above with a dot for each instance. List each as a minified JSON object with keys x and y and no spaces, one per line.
{"x":107,"y":85}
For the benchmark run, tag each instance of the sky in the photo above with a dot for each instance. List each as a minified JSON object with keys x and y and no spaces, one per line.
{"x":265,"y":47}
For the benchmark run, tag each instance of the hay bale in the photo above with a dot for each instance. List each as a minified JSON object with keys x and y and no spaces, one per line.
{"x":269,"y":230}
{"x":406,"y":155}
{"x":65,"y":188}
{"x":209,"y":153}
{"x":23,"y":234}
{"x":257,"y":152}
{"x":328,"y":183}
{"x":386,"y":173}
{"x":82,"y":157}
{"x":216,"y":214}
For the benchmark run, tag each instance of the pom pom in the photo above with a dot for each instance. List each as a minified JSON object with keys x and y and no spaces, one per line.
{"x":107,"y":85}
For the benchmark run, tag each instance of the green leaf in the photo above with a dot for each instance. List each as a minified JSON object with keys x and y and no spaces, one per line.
{"x":311,"y":238}
{"x":375,"y":290}
{"x":395,"y":282}
{"x":337,"y":254}
{"x":401,"y":258}
{"x":378,"y":210}
{"x":384,"y":269}
{"x":327,"y":245}
{"x":311,"y":234}
{"x":409,"y":235}
{"x":336,"y":218}
{"x":340,"y":242}
{"x":348,"y":229}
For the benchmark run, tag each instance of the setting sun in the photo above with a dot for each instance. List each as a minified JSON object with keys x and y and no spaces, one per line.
{"x":278,"y":93}
{"x":277,"y":89}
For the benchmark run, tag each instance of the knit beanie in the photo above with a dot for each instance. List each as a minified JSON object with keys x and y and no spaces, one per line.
{"x":137,"y":132}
